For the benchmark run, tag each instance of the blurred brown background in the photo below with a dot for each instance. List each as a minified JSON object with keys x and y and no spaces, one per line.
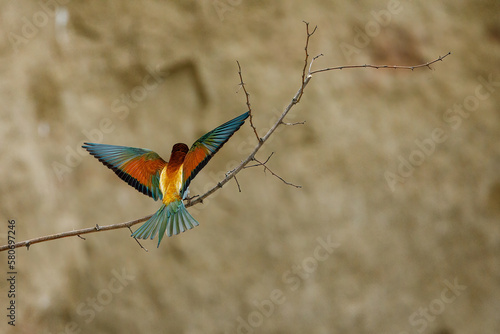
{"x":395,"y":229}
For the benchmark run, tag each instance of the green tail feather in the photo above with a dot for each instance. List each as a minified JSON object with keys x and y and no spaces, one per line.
{"x":172,"y":219}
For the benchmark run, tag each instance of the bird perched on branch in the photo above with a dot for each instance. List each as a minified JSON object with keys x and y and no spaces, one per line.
{"x":146,"y":171}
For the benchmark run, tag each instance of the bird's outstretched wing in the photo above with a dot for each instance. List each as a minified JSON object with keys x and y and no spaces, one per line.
{"x":138,"y":167}
{"x":204,"y":148}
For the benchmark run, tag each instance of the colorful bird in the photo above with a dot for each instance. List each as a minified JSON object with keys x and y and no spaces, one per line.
{"x":147,"y":172}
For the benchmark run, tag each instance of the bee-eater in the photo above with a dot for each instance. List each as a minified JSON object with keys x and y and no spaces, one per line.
{"x":147,"y":172}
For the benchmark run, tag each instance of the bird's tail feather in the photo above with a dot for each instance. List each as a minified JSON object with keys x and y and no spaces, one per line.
{"x":171,"y":219}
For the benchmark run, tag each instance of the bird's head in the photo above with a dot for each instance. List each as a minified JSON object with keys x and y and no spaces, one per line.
{"x":180,"y":147}
{"x":179,"y":152}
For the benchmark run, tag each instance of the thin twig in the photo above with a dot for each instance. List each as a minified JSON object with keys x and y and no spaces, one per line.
{"x":263,"y":164}
{"x":137,"y":240}
{"x":279,"y":177}
{"x":395,"y":67}
{"x":306,"y":59}
{"x":237,"y":183}
{"x":296,"y":123}
{"x":242,"y":84}
{"x":188,"y":198}
{"x":260,"y":163}
{"x":251,"y":157}
{"x":312,"y":61}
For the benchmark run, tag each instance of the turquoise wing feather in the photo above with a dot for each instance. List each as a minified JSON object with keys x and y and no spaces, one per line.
{"x":206,"y":146}
{"x":139,"y":167}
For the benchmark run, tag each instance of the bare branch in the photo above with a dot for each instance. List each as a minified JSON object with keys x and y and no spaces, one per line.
{"x":306,"y":59}
{"x":260,"y":163}
{"x":312,"y":61}
{"x":395,"y":67}
{"x":235,"y":171}
{"x":73,"y":233}
{"x":263,"y":164}
{"x":306,"y":78}
{"x":248,"y":102}
{"x":296,"y":123}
